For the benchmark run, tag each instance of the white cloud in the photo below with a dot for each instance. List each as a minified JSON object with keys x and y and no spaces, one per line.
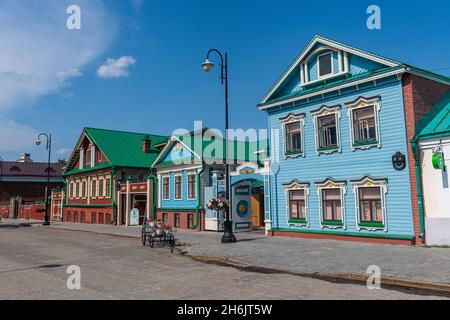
{"x":19,"y":138}
{"x":63,"y":151}
{"x":37,"y":51}
{"x":116,"y":68}
{"x":67,"y":74}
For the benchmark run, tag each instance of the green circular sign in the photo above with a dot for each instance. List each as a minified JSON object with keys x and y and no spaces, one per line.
{"x":438,"y":160}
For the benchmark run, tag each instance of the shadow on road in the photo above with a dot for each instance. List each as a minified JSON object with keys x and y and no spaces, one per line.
{"x":44,"y":266}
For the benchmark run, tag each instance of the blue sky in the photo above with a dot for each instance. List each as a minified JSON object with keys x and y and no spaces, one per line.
{"x":50,"y":81}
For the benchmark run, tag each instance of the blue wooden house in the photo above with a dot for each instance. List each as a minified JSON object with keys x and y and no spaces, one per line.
{"x":190,"y":171}
{"x":341,"y":163}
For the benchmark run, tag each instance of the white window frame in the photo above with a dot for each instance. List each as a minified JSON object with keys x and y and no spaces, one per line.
{"x":289,"y":119}
{"x":360,"y":103}
{"x":94,"y":195}
{"x":328,"y":75}
{"x":108,"y":194}
{"x":167,"y":176}
{"x":369,"y":182}
{"x":330,"y":183}
{"x":192,"y":173}
{"x":326,"y":111}
{"x":297,"y":185}
{"x":175,"y":175}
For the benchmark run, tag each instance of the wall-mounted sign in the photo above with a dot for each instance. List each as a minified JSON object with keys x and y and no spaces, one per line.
{"x":437,"y":159}
{"x":134,"y":217}
{"x":399,"y":161}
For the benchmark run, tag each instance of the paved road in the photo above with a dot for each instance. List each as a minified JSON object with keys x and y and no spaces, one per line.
{"x":33,"y":262}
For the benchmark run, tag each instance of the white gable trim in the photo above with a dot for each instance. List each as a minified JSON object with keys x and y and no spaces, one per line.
{"x":173,"y":139}
{"x":333,"y":44}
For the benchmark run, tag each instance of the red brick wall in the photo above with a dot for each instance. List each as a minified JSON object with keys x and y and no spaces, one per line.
{"x":91,"y":215}
{"x":184,"y":214}
{"x":419,"y":96}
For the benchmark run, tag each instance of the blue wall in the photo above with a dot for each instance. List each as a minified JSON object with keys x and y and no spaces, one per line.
{"x":184,"y":203}
{"x":348,"y":165}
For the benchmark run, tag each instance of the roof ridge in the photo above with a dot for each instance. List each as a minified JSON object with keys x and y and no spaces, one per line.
{"x":129,"y":132}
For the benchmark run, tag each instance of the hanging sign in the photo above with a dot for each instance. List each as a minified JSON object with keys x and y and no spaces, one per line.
{"x":134,"y":217}
{"x":437,"y":158}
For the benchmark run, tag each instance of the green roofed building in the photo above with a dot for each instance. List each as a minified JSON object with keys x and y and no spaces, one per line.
{"x":433,"y":147}
{"x":101,"y":162}
{"x":191,"y":171}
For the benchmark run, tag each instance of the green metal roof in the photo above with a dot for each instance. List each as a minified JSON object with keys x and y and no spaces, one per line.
{"x":121,"y":148}
{"x":436,"y":123}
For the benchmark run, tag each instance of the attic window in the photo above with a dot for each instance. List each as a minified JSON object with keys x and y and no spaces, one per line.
{"x":15,"y":169}
{"x":325,"y":64}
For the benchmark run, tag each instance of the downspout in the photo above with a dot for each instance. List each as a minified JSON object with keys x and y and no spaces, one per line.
{"x":63,"y":200}
{"x":415,"y":149}
{"x":153,"y":177}
{"x":199,"y":198}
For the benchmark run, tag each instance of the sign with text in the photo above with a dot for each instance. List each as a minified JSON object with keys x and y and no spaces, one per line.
{"x":134,"y":217}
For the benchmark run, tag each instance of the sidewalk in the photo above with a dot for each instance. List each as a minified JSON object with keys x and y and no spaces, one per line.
{"x":298,"y":255}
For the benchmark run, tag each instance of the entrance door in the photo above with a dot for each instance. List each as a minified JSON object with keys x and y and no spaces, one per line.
{"x":140,"y":203}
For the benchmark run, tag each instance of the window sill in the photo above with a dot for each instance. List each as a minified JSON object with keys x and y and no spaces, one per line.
{"x":303,"y":221}
{"x":371,"y":224}
{"x":365,"y":143}
{"x":294,"y":153}
{"x":328,"y":149}
{"x":332,"y":223}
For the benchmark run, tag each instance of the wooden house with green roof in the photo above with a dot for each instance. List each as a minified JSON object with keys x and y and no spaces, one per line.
{"x":432,"y":145}
{"x":101,"y":161}
{"x":190,"y":171}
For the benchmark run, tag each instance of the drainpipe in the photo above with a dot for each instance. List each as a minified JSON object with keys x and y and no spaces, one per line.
{"x":63,"y":199}
{"x":199,"y":198}
{"x":112,"y":192}
{"x":415,"y":149}
{"x":153,"y":177}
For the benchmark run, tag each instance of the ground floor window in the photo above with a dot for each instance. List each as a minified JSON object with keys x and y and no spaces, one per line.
{"x":370,"y":209}
{"x":75,"y":216}
{"x":297,"y":207}
{"x":108,"y":218}
{"x":101,"y":219}
{"x":190,"y":220}
{"x":177,"y":220}
{"x":69,"y":216}
{"x":331,"y":205}
{"x":165,"y":218}
{"x":82,"y":217}
{"x":94,"y":217}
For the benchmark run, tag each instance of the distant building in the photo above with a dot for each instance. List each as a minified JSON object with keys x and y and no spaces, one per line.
{"x":24,"y":182}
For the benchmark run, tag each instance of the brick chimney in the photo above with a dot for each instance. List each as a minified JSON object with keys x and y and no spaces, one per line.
{"x":146,"y":144}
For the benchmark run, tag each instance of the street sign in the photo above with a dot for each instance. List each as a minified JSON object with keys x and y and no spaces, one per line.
{"x":134,"y":217}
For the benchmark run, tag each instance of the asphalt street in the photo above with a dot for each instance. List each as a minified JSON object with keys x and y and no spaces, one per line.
{"x":34,"y":261}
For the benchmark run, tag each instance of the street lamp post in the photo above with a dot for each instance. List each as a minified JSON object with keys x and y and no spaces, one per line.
{"x":228,"y":236}
{"x":49,"y":148}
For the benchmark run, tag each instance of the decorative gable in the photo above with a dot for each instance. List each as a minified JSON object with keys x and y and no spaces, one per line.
{"x":325,"y":61}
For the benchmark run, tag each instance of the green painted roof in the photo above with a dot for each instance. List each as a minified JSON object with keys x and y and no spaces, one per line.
{"x":243,"y":150}
{"x":121,"y":148}
{"x":436,"y":123}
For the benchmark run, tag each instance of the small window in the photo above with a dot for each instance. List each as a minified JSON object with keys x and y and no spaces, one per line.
{"x":370,"y":208}
{"x":364,"y":126}
{"x":293,"y":138}
{"x":325,"y":64}
{"x":177,"y":220}
{"x":75,"y":216}
{"x":108,"y":188}
{"x":178,"y":187}
{"x":71,"y":189}
{"x":69,"y":216}
{"x":101,"y":218}
{"x":327,"y":131}
{"x":82,"y":217}
{"x":331,"y":205}
{"x":166,"y":188}
{"x":83,"y":189}
{"x":100,"y":188}
{"x":77,"y":190}
{"x":87,"y":158}
{"x":165,"y":218}
{"x":191,"y":186}
{"x":94,"y":217}
{"x":94,"y":188}
{"x":190,"y":220}
{"x":297,"y":205}
{"x":108,"y":218}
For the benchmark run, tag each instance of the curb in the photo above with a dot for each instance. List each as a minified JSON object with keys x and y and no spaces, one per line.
{"x":406,"y":286}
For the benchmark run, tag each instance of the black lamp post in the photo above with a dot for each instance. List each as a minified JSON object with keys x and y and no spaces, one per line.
{"x":228,"y":236}
{"x":49,"y":148}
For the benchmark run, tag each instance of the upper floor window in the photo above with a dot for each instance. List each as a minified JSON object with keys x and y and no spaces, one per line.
{"x":326,"y":120}
{"x":370,"y":202}
{"x":100,"y":188}
{"x":293,"y":134}
{"x":325,"y":64}
{"x":178,"y":186}
{"x":83,"y":189}
{"x":94,"y":188}
{"x":364,"y":123}
{"x":191,"y":186}
{"x":87,"y":158}
{"x":108,"y":187}
{"x":166,"y":187}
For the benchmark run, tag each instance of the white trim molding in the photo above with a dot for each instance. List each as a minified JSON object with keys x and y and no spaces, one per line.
{"x":289,"y":119}
{"x":368,"y":182}
{"x":360,"y":103}
{"x":325,"y":110}
{"x":330,"y":183}
{"x":297,"y":185}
